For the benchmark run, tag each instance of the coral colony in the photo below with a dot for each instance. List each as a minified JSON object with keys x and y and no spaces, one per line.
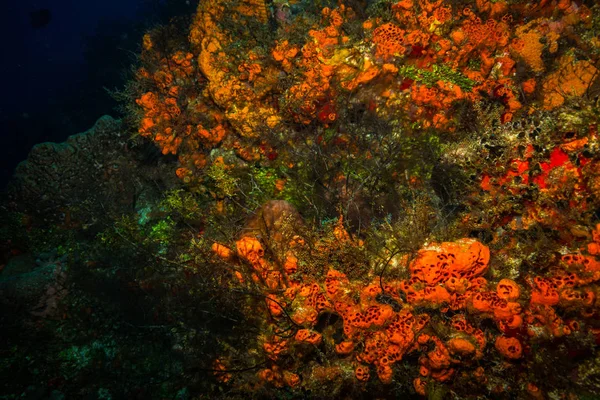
{"x":400,"y":199}
{"x":446,"y":313}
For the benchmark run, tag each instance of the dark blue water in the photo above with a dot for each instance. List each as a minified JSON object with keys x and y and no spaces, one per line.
{"x":54,"y":75}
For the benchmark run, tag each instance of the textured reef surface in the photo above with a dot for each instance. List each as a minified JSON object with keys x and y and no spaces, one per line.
{"x":318,"y":199}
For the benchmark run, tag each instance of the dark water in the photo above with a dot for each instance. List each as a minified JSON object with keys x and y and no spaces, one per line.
{"x":60,"y":57}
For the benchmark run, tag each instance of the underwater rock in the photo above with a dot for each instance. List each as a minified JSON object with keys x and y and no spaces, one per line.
{"x":273,"y":220}
{"x":22,"y":280}
{"x":94,"y":173}
{"x":34,"y":283}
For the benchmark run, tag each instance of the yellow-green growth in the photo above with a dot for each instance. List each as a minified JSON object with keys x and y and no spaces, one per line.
{"x":225,"y":184}
{"x":181,"y":202}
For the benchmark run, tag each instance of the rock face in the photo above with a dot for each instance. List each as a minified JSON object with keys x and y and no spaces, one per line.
{"x":274,"y":220}
{"x":98,"y":172}
{"x":37,"y":284}
{"x":71,"y":190}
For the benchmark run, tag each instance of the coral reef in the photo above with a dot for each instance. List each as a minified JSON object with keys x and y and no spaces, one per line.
{"x":382,"y":199}
{"x":434,"y":315}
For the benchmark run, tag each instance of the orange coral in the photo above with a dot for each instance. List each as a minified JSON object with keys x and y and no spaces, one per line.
{"x":222,"y":251}
{"x":420,"y":386}
{"x":220,"y":371}
{"x":362,"y":373}
{"x":254,"y":8}
{"x":308,"y":336}
{"x":509,"y":347}
{"x":379,"y":336}
{"x":344,"y":347}
{"x":571,"y":79}
{"x":594,"y":246}
{"x":508,"y":289}
{"x":466,"y":258}
{"x":250,"y":249}
{"x":368,"y":73}
{"x":284,"y":53}
{"x":389,"y":39}
{"x":271,"y":375}
{"x":216,"y":99}
{"x":529,"y":86}
{"x":385,"y":373}
{"x":291,"y":379}
{"x":275,"y":348}
{"x":462,"y":347}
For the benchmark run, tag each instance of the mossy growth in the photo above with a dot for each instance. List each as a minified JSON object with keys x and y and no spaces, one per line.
{"x":221,"y":180}
{"x":263,"y":181}
{"x":53,"y":239}
{"x":274,"y":183}
{"x":381,"y":9}
{"x":162,"y":231}
{"x":437,"y":73}
{"x":156,"y":236}
{"x":182,"y":203}
{"x":474,"y":64}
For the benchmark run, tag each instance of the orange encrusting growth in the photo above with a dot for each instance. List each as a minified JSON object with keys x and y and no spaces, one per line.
{"x":423,"y":63}
{"x":211,"y":96}
{"x":443,"y":276}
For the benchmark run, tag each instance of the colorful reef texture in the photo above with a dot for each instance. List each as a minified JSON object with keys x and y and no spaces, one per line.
{"x":373,"y":199}
{"x":501,"y":93}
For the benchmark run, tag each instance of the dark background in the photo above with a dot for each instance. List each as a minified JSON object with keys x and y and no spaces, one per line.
{"x":55,"y":77}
